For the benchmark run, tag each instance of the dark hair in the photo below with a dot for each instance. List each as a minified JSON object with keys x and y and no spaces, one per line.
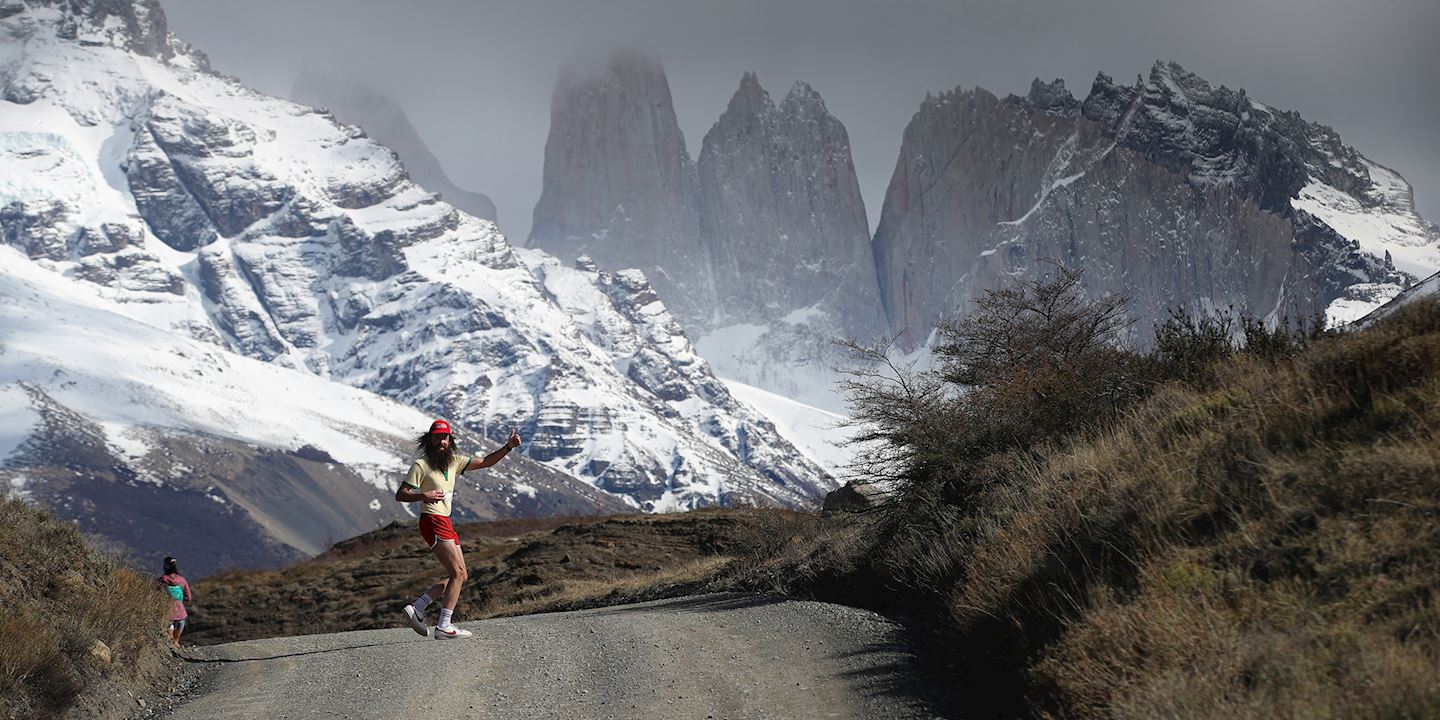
{"x":433,"y":457}
{"x":171,"y":568}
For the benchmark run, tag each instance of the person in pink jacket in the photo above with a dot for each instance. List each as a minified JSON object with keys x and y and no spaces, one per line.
{"x":179,"y":591}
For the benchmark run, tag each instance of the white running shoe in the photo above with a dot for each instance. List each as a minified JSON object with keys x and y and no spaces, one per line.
{"x":452,"y":632}
{"x":417,"y":620}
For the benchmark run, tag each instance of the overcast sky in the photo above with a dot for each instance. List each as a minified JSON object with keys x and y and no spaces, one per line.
{"x":476,"y":76}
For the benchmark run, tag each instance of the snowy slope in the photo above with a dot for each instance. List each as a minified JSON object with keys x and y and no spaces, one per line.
{"x":131,"y":378}
{"x":820,"y":434}
{"x":152,"y":440}
{"x":1427,"y":288}
{"x":1382,"y":223}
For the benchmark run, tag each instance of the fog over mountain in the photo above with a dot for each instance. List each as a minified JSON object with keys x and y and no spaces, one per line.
{"x":475,"y":78}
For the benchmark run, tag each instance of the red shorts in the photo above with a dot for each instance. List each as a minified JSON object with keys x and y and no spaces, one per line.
{"x":435,"y":528}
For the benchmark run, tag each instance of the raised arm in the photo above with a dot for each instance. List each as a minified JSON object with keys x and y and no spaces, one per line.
{"x":495,"y":457}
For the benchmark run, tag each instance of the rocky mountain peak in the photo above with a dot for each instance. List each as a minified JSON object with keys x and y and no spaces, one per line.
{"x":1170,"y":77}
{"x":1214,"y":135}
{"x":138,"y":26}
{"x":1264,"y":210}
{"x":804,"y":102}
{"x":355,"y":100}
{"x":750,"y":85}
{"x":619,"y":184}
{"x":628,"y":69}
{"x":750,"y":99}
{"x":1051,"y":97}
{"x":785,"y":233}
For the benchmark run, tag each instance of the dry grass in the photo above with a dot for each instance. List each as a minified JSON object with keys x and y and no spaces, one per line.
{"x":515,"y":566}
{"x":1281,"y":535}
{"x":1265,"y":543}
{"x":61,"y":598}
{"x":618,"y":590}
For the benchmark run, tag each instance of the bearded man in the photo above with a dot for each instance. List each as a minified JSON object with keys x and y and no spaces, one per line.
{"x":432,"y":481}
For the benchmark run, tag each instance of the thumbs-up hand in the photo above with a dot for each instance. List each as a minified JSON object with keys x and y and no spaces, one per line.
{"x":514,"y":440}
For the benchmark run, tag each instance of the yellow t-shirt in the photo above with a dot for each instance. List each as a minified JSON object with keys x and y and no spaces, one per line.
{"x":424,"y":479}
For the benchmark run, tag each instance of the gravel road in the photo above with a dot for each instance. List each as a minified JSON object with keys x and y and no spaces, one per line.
{"x":711,"y":656}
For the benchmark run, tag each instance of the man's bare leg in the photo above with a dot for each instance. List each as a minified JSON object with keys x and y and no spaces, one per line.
{"x":454,"y":562}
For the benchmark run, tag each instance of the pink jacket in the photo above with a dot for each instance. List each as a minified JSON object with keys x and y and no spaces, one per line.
{"x":177,"y":612}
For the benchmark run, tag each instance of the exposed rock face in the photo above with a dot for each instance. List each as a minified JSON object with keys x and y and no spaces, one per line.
{"x":781,"y":213}
{"x":1169,"y":191}
{"x":354,"y":101}
{"x":619,"y":184}
{"x":135,"y":25}
{"x":783,"y":266}
{"x":789,"y":244}
{"x":173,"y":215}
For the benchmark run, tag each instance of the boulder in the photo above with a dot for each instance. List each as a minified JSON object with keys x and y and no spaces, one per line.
{"x":853,"y":497}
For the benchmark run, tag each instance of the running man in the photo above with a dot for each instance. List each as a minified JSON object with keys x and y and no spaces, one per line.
{"x":432,"y":481}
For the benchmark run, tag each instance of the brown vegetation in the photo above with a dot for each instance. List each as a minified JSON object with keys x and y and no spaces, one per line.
{"x":1251,"y":531}
{"x":74,"y":620}
{"x":515,"y":567}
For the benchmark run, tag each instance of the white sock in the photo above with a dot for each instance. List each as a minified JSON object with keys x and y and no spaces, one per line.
{"x":444,"y":618}
{"x":421,"y":602}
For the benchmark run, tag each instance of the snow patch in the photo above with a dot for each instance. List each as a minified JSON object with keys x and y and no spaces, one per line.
{"x":17,"y":419}
{"x":1358,"y":301}
{"x":720,"y":341}
{"x":1391,"y":227}
{"x":817,"y":433}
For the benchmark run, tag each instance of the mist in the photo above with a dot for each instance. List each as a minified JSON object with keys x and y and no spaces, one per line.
{"x":476,"y":77}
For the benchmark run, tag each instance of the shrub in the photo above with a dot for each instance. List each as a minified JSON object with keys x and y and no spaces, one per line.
{"x":1032,"y":362}
{"x":1189,"y":348}
{"x":49,"y":573}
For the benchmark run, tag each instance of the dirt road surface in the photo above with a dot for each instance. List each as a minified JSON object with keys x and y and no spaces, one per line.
{"x":713,"y":656}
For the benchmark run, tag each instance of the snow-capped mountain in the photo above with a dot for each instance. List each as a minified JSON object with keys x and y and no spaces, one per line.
{"x":1171,"y":191}
{"x":356,"y":102}
{"x":191,"y":212}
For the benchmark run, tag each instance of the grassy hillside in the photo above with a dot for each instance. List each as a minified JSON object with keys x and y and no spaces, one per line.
{"x":1247,"y":533}
{"x":81,"y":635}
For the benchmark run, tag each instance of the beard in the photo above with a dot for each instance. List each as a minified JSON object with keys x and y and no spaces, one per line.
{"x":439,"y":459}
